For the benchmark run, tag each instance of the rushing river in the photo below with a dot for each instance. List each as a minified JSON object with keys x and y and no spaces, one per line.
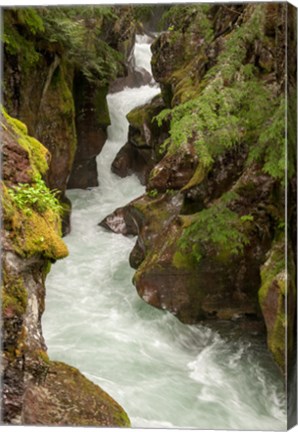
{"x":163,"y":373}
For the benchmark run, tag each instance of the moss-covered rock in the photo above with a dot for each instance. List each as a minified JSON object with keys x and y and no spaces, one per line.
{"x":277,"y":297}
{"x":56,"y":107}
{"x":36,"y":156}
{"x":145,"y":137}
{"x":175,"y":170}
{"x":67,"y":398}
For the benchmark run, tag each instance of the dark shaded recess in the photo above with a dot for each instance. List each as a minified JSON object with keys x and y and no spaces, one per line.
{"x":91,"y":119}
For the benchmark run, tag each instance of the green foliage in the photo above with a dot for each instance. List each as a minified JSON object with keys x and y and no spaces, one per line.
{"x":35,"y":196}
{"x":75,"y":32}
{"x":224,"y":114}
{"x":78,"y":32}
{"x":192,"y":18}
{"x":143,"y":12}
{"x":247,"y":218}
{"x":21,"y":26}
{"x":271,"y":145}
{"x":152,"y":193}
{"x":216,"y":225}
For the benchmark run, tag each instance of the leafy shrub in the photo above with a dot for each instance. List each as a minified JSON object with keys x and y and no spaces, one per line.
{"x":189,"y":18}
{"x":75,"y":32}
{"x":35,"y":196}
{"x":224,"y":114}
{"x":219,"y":226}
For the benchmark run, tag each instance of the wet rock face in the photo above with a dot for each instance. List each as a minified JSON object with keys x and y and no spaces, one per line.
{"x":142,"y":151}
{"x":134,"y":78}
{"x":225,"y":172}
{"x":92,"y":119}
{"x":15,"y":160}
{"x":45,"y":104}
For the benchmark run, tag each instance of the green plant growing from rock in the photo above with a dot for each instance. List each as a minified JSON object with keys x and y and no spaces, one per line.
{"x":35,"y":196}
{"x":223,"y":113}
{"x":216,"y":225}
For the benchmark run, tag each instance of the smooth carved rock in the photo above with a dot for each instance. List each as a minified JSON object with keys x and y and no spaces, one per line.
{"x":92,"y":119}
{"x":67,"y":398}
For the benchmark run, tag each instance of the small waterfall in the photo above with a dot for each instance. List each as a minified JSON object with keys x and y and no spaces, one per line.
{"x":164,"y":373}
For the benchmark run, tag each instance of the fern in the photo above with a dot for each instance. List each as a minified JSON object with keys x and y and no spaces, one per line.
{"x":218,"y":226}
{"x":75,"y":32}
{"x":235,"y":106}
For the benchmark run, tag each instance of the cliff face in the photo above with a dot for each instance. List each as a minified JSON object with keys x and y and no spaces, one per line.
{"x":35,"y":389}
{"x":211,"y":226}
{"x":57,"y":69}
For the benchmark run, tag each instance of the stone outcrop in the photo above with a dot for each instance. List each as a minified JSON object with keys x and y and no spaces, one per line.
{"x":91,"y":119}
{"x":36,"y":390}
{"x":143,"y":148}
{"x":42,"y":99}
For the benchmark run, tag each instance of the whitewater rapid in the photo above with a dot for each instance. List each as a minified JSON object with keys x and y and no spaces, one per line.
{"x":163,"y":373}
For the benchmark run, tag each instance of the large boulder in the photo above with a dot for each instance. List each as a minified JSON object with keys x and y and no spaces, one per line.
{"x":67,"y":398}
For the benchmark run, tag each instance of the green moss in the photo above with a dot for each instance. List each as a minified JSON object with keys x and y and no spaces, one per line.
{"x":274,"y":266}
{"x":183,"y":260}
{"x":39,"y":234}
{"x":84,"y":396}
{"x":38,"y":154}
{"x":273,"y":285}
{"x":197,"y":178}
{"x":42,"y":356}
{"x":14,"y":294}
{"x":31,"y":232}
{"x":58,"y":109}
{"x":137,"y":116}
{"x":59,"y":83}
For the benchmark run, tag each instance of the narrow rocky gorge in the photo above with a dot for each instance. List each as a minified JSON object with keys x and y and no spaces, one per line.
{"x":210,"y":223}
